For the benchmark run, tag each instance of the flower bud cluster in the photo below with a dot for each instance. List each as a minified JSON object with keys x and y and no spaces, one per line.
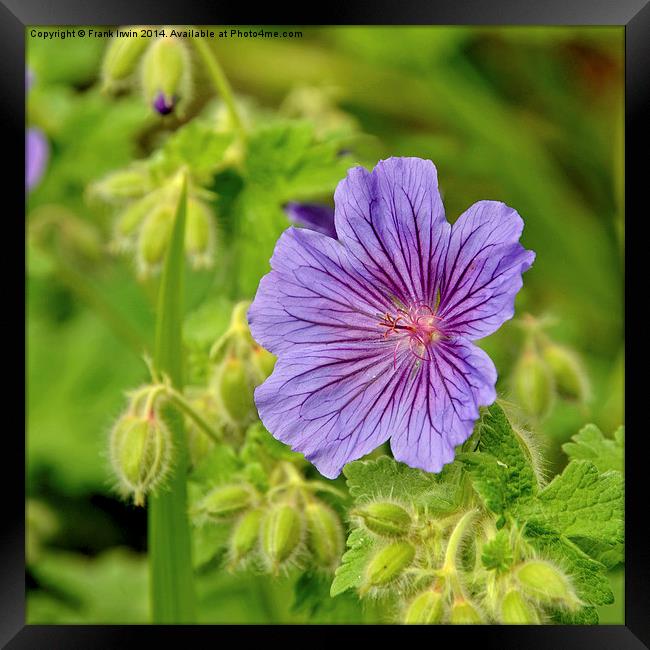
{"x":146,"y":205}
{"x":456,"y":568}
{"x":546,"y":370}
{"x":275,"y":527}
{"x":158,"y":62}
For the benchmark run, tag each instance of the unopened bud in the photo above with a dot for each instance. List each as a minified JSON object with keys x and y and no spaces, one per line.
{"x":464,"y":613}
{"x":235,"y":391}
{"x":154,"y":237}
{"x":388,"y":564}
{"x":282,"y":531}
{"x":533,"y":384}
{"x":166,"y":74}
{"x":325,"y":534}
{"x":386,"y":519}
{"x":140,"y":453}
{"x":225,"y":501}
{"x":127,"y":183}
{"x":130,"y":219}
{"x":543,"y":581}
{"x":516,"y":610}
{"x":199,"y":234}
{"x":122,"y":57}
{"x":570,"y":377}
{"x":426,"y":608}
{"x":263,"y":362}
{"x":245,"y":534}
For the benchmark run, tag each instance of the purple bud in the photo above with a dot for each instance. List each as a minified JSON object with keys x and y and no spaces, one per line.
{"x":315,"y":216}
{"x":164,"y":105}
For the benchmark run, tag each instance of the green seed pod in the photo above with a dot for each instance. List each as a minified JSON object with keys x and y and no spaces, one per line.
{"x":388,"y":564}
{"x":570,"y":377}
{"x":199,"y":234}
{"x":140,"y":453}
{"x":325,"y":534}
{"x":515,"y":610}
{"x":387,"y":519}
{"x":426,"y":608}
{"x":464,"y":613}
{"x":122,"y":57}
{"x":545,"y":582}
{"x":282,"y":531}
{"x":166,"y":71}
{"x":154,"y":237}
{"x":245,"y":534}
{"x":235,"y":391}
{"x":225,"y":501}
{"x":533,"y":384}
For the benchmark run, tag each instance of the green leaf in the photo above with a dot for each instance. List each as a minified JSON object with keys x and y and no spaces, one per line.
{"x":197,"y":145}
{"x":584,"y":506}
{"x":169,"y":537}
{"x":350,"y":574}
{"x":590,"y":444}
{"x":312,"y":599}
{"x":502,"y":471}
{"x":497,"y":553}
{"x":588,"y":576}
{"x":385,"y":478}
{"x":108,"y":589}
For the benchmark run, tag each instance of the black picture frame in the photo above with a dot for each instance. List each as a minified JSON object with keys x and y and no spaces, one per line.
{"x":633,"y":15}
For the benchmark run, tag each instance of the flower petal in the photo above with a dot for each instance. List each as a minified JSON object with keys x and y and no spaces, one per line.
{"x":313,"y":295}
{"x":443,"y":404}
{"x":315,"y":216}
{"x":335,"y":403}
{"x":36,"y":154}
{"x":482,"y":270}
{"x":392,"y":221}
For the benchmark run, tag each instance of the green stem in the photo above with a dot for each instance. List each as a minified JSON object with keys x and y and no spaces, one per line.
{"x":170,"y":559}
{"x":221,"y":84}
{"x":189,"y":410}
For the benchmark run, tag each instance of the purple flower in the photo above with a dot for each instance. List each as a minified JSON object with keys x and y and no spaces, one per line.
{"x":163,"y":104}
{"x":37,"y":149}
{"x":314,"y":216}
{"x":37,"y":152}
{"x":374,"y":331}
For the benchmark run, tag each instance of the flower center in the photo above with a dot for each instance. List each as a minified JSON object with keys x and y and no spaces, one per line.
{"x":419,"y":325}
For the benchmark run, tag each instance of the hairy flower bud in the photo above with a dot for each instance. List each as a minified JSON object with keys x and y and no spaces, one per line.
{"x":225,"y":501}
{"x":427,"y":607}
{"x":199,"y":234}
{"x":325,"y":534}
{"x":545,"y":582}
{"x":122,"y":57}
{"x":234,"y":391}
{"x":245,"y":534}
{"x":533,"y":384}
{"x":464,"y":613}
{"x":570,"y":377}
{"x":388,"y":564}
{"x":516,"y":610}
{"x":154,"y":237}
{"x":282,"y":531}
{"x":140,"y":453}
{"x":166,"y":74}
{"x":387,"y":519}
{"x":130,"y":219}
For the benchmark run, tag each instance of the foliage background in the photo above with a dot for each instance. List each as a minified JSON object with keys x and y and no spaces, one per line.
{"x":529,"y":116}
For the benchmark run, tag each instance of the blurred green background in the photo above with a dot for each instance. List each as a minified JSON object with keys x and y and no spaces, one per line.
{"x":529,"y":116}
